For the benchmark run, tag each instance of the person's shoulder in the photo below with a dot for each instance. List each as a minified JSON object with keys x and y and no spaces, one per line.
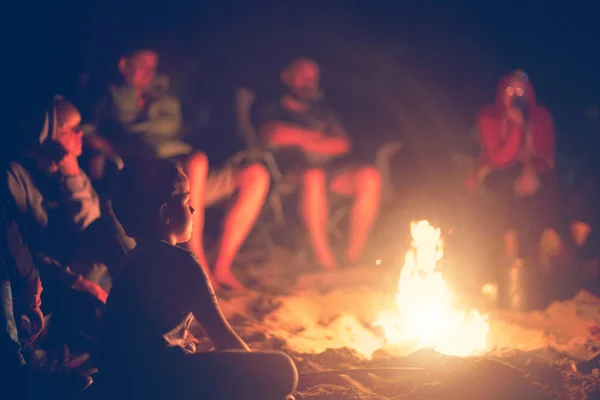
{"x":266,"y":99}
{"x":18,"y":183}
{"x":274,"y":108}
{"x":115,"y":89}
{"x":181,"y":252}
{"x":12,"y":173}
{"x":271,"y":111}
{"x":177,"y":254}
{"x":322,"y":110}
{"x":162,"y":84}
{"x":17,"y":169}
{"x":14,"y":166}
{"x":269,"y":103}
{"x":183,"y":265}
{"x":161,"y":254}
{"x":119,"y":93}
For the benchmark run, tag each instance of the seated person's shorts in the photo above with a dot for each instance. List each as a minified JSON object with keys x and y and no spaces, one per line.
{"x":220,"y":185}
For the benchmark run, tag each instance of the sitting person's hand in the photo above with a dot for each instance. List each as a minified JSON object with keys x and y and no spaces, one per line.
{"x":84,"y":285}
{"x":69,"y":165}
{"x":36,"y":322}
{"x":528,"y":183}
{"x":28,"y":304}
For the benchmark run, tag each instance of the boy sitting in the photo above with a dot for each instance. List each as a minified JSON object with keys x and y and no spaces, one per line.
{"x":146,"y":346}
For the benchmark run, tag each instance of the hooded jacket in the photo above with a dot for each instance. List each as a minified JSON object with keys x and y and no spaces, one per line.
{"x":50,"y":210}
{"x":502,"y":142}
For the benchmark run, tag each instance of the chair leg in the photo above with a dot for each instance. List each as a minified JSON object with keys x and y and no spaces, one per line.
{"x":334,"y":229}
{"x":277,"y":207}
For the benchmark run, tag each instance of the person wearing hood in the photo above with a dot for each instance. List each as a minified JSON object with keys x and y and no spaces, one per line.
{"x":51,"y":198}
{"x":308,"y":140}
{"x":517,"y":163}
{"x":30,"y":205}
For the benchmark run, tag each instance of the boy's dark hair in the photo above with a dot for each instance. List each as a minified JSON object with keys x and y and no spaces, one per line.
{"x":140,"y":189}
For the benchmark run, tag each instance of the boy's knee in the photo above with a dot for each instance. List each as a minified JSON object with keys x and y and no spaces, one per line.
{"x":287,"y":373}
{"x":257,"y":176}
{"x":369,"y":178}
{"x":314,"y":176}
{"x":198,"y":162}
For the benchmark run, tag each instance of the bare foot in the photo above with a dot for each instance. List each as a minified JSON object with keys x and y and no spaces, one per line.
{"x":227,"y":280}
{"x":212,"y":279}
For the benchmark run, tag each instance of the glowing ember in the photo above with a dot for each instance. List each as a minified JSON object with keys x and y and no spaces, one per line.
{"x":426,"y":315}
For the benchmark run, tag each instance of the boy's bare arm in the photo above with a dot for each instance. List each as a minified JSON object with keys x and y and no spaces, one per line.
{"x":222,"y":335}
{"x":207,"y":312}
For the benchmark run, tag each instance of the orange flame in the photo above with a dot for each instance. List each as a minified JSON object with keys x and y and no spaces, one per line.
{"x":426,"y":316}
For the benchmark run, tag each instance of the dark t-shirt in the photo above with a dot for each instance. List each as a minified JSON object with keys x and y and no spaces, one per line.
{"x":317,"y":118}
{"x":149,"y":309}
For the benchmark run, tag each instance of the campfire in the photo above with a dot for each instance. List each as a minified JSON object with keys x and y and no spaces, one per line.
{"x":427,"y":344}
{"x":354,"y":309}
{"x":428,"y":314}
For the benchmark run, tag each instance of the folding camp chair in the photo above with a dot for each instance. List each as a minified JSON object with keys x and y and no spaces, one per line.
{"x":245,"y":98}
{"x":282,"y":186}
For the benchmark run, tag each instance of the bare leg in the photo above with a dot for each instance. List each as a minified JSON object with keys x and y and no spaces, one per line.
{"x":580,"y":232}
{"x":551,"y":248}
{"x":364,"y":210}
{"x":364,"y":185}
{"x":314,"y":211}
{"x":197,"y":173}
{"x":252,"y":185}
{"x":511,"y":244}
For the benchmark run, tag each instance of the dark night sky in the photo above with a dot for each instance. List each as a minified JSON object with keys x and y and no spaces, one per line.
{"x":389,"y":66}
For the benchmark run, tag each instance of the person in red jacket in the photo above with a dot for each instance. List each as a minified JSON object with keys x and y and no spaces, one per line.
{"x":517,"y":163}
